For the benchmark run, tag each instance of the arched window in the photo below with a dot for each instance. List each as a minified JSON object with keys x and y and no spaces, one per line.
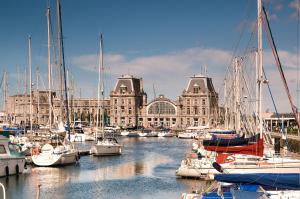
{"x":160,"y":107}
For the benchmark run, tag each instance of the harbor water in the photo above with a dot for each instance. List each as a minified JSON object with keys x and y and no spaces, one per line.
{"x":146,"y":169}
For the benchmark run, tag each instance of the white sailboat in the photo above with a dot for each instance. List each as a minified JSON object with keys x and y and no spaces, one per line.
{"x":63,"y":153}
{"x":104,"y":145}
{"x":237,"y":163}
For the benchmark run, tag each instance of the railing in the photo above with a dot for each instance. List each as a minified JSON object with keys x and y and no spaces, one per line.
{"x":3,"y":188}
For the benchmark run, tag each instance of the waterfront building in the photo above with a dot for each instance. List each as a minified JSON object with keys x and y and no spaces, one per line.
{"x":274,"y":122}
{"x":198,"y":105}
{"x":18,"y":107}
{"x":127,"y":106}
{"x":127,"y":100}
{"x":84,"y":109}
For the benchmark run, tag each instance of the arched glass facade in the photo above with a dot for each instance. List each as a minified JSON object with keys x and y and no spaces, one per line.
{"x":162,"y":107}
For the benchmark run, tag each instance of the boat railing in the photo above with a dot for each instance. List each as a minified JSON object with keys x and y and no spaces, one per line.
{"x":3,"y":190}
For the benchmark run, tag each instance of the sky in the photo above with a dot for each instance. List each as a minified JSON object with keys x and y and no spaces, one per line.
{"x":163,"y":42}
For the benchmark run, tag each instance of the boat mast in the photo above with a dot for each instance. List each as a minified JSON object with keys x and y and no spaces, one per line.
{"x":225,"y":105}
{"x":26,"y":101}
{"x":49,"y":67}
{"x":260,"y":63}
{"x":60,"y":70}
{"x":102,"y":83}
{"x":30,"y":82}
{"x":98,"y":93}
{"x":4,"y":87}
{"x":38,"y":95}
{"x":62,"y":66}
{"x":237,"y":95}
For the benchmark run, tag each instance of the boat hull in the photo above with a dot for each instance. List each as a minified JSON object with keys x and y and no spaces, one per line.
{"x":47,"y":160}
{"x":77,"y":137}
{"x":208,"y":172}
{"x":11,"y":166}
{"x":106,"y":150}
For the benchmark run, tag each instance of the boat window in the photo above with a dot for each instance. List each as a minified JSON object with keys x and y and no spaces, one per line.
{"x":2,"y":149}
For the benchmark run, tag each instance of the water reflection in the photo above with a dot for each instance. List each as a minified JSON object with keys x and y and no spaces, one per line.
{"x":145,"y":170}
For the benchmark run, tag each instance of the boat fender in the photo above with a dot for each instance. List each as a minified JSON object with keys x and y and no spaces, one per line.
{"x":6,"y":171}
{"x":35,"y":151}
{"x":17,"y":169}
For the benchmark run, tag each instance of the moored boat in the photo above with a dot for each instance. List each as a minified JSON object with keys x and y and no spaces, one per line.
{"x":11,"y":162}
{"x":50,"y":156}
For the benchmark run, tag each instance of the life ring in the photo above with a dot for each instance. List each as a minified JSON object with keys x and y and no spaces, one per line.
{"x":6,"y":171}
{"x":17,"y":169}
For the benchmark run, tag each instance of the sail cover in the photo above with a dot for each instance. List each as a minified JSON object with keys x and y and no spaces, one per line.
{"x":275,"y":180}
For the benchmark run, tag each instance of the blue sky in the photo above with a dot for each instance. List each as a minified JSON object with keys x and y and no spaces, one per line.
{"x":164,"y":42}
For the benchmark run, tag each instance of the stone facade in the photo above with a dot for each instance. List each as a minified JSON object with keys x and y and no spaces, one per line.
{"x":18,"y":108}
{"x":127,"y":106}
{"x":198,"y":105}
{"x":127,"y":100}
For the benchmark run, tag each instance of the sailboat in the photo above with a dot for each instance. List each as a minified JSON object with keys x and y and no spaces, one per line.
{"x":243,"y":159}
{"x":104,"y":145}
{"x":64,"y":152}
{"x":11,"y":162}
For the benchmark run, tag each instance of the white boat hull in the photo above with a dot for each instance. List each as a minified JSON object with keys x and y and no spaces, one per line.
{"x":46,"y":160}
{"x":78,"y":137}
{"x":163,"y":134}
{"x":124,"y":133}
{"x":207,"y":172}
{"x":186,"y":135}
{"x":11,"y":166}
{"x":103,"y":150}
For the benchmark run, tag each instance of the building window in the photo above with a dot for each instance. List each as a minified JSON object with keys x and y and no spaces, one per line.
{"x":188,"y":101}
{"x":123,"y":89}
{"x":122,"y":120}
{"x":195,"y":121}
{"x":203,"y":101}
{"x":203,"y":122}
{"x":173,"y":121}
{"x":123,"y":101}
{"x":129,"y":111}
{"x":196,"y":110}
{"x":188,"y":121}
{"x":196,"y":89}
{"x":188,"y":111}
{"x":116,"y":101}
{"x":129,"y":101}
{"x":162,"y":108}
{"x":122,"y":109}
{"x":203,"y":111}
{"x":196,"y":101}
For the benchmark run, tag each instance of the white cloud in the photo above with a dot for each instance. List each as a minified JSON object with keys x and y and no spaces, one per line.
{"x":295,"y":5}
{"x":169,"y":72}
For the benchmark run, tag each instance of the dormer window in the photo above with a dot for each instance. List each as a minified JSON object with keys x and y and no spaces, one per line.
{"x":123,"y":89}
{"x":196,"y":88}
